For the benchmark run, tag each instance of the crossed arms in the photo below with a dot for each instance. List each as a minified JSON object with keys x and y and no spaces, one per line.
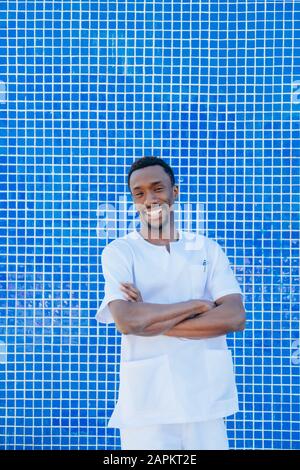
{"x":194,"y":319}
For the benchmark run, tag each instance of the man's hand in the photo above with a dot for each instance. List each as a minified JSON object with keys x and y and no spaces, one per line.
{"x":202,"y":307}
{"x":132,"y":293}
{"x":228,"y":315}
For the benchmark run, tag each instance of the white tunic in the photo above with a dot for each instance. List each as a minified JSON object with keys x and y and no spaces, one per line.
{"x":166,"y":379}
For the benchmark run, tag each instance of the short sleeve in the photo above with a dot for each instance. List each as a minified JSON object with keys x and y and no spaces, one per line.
{"x":116,"y":267}
{"x":221,"y":279}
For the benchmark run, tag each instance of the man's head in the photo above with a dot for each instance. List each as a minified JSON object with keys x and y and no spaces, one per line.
{"x":152,"y":184}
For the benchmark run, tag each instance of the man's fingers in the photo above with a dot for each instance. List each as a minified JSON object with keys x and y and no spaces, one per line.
{"x":129,"y":296}
{"x":132,"y":295}
{"x":129,"y":293}
{"x":130,"y":288}
{"x":127,"y":284}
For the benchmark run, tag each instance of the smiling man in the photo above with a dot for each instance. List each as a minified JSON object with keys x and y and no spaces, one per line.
{"x":173,"y":296}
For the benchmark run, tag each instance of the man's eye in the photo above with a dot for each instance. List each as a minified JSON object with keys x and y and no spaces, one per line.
{"x":158,"y":189}
{"x":138,"y":194}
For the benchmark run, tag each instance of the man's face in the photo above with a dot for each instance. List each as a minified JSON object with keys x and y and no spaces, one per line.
{"x":153,"y":195}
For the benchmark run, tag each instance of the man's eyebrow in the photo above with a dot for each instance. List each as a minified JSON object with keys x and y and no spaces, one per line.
{"x":151,"y":184}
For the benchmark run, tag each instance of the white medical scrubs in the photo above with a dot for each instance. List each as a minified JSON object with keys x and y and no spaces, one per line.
{"x":166,"y":380}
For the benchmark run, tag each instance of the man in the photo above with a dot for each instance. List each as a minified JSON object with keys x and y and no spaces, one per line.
{"x":173,"y":296}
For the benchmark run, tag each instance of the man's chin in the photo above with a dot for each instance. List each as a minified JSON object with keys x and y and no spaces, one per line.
{"x":160,"y":226}
{"x":155,"y":226}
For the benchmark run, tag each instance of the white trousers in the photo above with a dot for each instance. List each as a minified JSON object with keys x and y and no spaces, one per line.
{"x":204,"y":435}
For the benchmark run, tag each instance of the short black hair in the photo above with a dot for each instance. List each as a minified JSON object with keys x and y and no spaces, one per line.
{"x":150,"y":161}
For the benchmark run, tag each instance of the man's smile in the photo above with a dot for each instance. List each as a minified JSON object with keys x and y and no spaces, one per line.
{"x":153,"y":214}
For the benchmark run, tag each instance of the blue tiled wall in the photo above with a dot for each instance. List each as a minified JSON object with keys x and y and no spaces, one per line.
{"x":86,"y":87}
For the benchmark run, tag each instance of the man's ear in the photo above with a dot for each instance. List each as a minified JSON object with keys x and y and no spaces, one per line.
{"x":175,"y":191}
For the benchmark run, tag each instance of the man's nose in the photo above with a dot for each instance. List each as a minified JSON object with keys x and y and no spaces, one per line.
{"x":151,"y":199}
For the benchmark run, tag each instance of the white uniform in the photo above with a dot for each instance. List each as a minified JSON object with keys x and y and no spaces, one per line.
{"x":168,"y":380}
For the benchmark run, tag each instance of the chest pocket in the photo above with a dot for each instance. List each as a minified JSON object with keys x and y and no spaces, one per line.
{"x":198,"y":277}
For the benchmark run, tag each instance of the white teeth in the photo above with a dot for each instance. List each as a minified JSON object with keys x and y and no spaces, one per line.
{"x":154,"y":212}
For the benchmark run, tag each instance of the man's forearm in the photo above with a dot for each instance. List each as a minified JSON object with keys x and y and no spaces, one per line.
{"x":215,"y":322}
{"x":160,"y":327}
{"x":149,"y":319}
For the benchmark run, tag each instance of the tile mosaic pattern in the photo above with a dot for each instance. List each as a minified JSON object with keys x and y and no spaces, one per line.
{"x":86,"y":87}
